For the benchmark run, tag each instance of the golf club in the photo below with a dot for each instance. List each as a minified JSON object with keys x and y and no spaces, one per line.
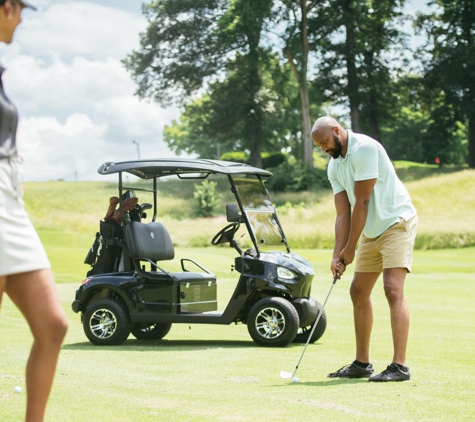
{"x":291,"y":375}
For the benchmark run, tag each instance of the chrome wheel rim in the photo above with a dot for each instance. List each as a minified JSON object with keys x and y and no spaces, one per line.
{"x":270,"y":323}
{"x":103,"y":323}
{"x":146,"y":328}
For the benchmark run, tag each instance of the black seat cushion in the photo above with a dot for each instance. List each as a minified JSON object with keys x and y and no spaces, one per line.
{"x":149,"y":241}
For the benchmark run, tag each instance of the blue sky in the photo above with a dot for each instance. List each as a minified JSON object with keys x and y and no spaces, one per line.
{"x":76,"y":101}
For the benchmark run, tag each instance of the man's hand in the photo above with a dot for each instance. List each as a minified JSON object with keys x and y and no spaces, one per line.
{"x":338,"y":268}
{"x":347,"y":255}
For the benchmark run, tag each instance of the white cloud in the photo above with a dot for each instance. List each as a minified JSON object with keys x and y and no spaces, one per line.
{"x":52,"y":150}
{"x":75,"y":98}
{"x":76,"y":28}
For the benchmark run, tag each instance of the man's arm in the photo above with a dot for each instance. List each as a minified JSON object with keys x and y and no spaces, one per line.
{"x":363,"y":191}
{"x":342,"y":230}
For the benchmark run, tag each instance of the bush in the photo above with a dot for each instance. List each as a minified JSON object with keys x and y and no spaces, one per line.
{"x":297,"y":177}
{"x":269,"y":159}
{"x":208,"y":199}
{"x":236,"y":156}
{"x":272,"y":159}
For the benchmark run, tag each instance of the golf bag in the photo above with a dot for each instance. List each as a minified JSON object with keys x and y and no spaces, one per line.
{"x":105,"y":253}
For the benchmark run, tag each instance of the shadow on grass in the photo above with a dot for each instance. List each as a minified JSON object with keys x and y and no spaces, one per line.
{"x":332,"y":382}
{"x":165,"y":345}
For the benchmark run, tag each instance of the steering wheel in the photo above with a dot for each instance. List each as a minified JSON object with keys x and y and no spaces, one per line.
{"x":225,"y":235}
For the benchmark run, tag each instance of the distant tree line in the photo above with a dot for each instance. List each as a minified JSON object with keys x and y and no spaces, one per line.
{"x":252,"y":75}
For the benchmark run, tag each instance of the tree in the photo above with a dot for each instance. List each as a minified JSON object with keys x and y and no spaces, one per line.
{"x":357,"y":68}
{"x":450,"y":68}
{"x":190,"y":42}
{"x":305,"y":21}
{"x":216,"y":122}
{"x":424,"y":126}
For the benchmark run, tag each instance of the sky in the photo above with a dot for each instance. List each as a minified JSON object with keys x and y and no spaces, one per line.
{"x":75,"y":98}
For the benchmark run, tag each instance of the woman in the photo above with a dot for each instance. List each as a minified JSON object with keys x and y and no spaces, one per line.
{"x":25,"y":272}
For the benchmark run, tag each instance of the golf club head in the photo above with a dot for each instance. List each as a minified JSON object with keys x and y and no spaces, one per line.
{"x":286,"y":375}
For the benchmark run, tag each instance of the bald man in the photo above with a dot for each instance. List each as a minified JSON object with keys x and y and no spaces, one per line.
{"x":372,"y":206}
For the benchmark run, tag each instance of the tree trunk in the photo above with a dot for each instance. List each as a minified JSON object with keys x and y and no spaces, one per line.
{"x":351,"y":67}
{"x":471,"y":142}
{"x":301,"y":76}
{"x":373,"y":115}
{"x":255,"y":119}
{"x":255,"y":110}
{"x":303,"y":90}
{"x":254,"y":18}
{"x":306,"y":126}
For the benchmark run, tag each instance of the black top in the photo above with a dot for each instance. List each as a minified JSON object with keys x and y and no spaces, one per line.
{"x":8,"y":123}
{"x":159,"y":167}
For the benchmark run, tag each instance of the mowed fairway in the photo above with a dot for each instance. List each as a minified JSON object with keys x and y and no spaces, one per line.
{"x":216,"y":373}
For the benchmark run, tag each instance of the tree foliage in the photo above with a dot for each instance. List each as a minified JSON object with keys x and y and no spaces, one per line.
{"x":449,"y":72}
{"x":217,"y":122}
{"x":188,"y":42}
{"x":252,"y":75}
{"x":359,"y":60}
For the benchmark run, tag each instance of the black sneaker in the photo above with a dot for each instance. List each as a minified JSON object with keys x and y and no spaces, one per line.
{"x":353,"y":371}
{"x":392,"y":373}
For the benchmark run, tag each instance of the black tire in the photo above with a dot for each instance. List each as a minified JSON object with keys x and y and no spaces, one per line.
{"x":273,"y":322}
{"x":106,"y":322}
{"x":304,"y":332}
{"x":150,"y":331}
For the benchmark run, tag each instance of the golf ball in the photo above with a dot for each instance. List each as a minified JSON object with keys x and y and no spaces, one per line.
{"x":295,"y":380}
{"x":17,"y":389}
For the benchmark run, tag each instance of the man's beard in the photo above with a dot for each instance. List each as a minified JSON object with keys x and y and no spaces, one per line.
{"x":338,"y":148}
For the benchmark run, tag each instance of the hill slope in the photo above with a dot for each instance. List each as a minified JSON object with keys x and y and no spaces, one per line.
{"x":445,"y":203}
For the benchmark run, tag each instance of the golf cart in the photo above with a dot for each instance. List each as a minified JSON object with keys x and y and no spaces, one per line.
{"x":129,"y":290}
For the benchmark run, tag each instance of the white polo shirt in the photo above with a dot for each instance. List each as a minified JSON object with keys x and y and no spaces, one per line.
{"x":367,"y":159}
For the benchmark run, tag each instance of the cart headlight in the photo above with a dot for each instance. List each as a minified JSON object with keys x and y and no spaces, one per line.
{"x":285,"y":273}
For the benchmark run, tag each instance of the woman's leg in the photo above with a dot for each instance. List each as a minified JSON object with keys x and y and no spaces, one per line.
{"x":35,"y":294}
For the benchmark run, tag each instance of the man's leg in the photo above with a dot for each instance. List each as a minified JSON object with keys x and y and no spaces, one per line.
{"x":3,"y":283}
{"x":360,"y":292}
{"x":394,"y":289}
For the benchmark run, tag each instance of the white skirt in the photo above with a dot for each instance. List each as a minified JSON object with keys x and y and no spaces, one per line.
{"x":20,"y":247}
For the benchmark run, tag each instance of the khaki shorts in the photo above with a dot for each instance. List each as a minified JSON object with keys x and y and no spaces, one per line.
{"x":393,"y":249}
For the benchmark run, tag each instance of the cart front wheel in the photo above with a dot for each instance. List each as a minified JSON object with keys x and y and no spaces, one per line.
{"x":273,"y":322}
{"x":304,"y":332}
{"x":106,"y":322}
{"x":150,"y":331}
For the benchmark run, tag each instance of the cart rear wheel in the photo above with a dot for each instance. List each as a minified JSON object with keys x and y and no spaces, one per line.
{"x":150,"y":331}
{"x":273,"y":322}
{"x":304,"y":332}
{"x":106,"y":322}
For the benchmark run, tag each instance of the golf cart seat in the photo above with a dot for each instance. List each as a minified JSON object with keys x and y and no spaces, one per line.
{"x":151,"y":243}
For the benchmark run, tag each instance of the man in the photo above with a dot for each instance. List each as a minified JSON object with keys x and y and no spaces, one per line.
{"x":370,"y":202}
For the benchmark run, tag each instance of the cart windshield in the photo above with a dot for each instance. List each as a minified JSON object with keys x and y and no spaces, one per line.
{"x":261,"y":214}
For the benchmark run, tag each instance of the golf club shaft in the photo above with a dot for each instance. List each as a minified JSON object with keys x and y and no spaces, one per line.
{"x":315,"y":324}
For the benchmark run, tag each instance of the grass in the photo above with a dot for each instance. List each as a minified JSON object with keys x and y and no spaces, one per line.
{"x":409,"y":170}
{"x":216,"y":373}
{"x":445,"y":204}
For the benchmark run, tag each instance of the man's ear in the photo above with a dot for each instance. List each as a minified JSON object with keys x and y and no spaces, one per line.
{"x":8,"y":9}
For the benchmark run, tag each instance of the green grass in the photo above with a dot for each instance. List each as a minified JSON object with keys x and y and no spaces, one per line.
{"x":445,"y":204}
{"x":409,"y":170}
{"x":216,"y":373}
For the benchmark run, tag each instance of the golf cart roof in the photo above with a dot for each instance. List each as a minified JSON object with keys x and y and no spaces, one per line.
{"x":156,"y":167}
